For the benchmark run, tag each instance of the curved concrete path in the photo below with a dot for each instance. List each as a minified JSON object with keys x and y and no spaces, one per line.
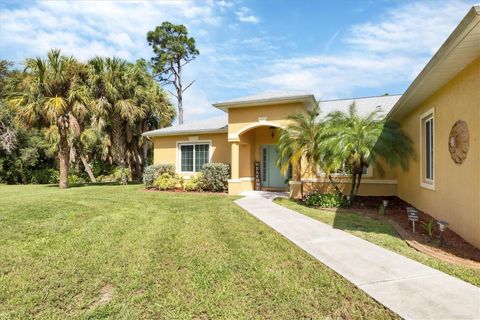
{"x":409,"y":288}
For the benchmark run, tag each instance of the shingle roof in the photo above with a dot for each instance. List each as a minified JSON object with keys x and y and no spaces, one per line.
{"x":220,"y":123}
{"x":265,"y":98}
{"x":364,"y":105}
{"x":216,"y":124}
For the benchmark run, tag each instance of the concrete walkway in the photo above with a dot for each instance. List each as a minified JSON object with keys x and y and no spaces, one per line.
{"x":410,"y":289}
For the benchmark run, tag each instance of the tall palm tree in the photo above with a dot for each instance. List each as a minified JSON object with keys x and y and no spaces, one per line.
{"x":114,"y":84}
{"x":50,"y":94}
{"x":356,"y":142}
{"x":158,"y":113}
{"x":298,"y":142}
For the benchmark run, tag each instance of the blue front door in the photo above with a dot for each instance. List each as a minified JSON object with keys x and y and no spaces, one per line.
{"x":270,"y":174}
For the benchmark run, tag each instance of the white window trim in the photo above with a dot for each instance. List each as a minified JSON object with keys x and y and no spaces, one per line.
{"x":178,"y":167}
{"x":427,"y":183}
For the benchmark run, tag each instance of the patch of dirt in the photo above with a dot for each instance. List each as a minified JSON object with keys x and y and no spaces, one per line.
{"x":106,"y":294}
{"x":454,"y":249}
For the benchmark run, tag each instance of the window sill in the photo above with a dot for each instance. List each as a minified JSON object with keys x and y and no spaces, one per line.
{"x":429,"y":186}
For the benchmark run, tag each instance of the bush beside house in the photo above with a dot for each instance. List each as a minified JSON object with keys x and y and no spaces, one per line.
{"x":213,"y":177}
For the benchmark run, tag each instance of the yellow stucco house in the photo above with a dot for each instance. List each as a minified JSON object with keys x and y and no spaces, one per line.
{"x":440,"y":111}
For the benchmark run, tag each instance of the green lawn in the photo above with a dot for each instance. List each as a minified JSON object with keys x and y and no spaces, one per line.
{"x":156,"y":255}
{"x":382,"y":234}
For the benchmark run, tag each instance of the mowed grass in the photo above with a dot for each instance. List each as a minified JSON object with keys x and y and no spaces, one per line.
{"x":383,"y":234}
{"x":119,"y":252}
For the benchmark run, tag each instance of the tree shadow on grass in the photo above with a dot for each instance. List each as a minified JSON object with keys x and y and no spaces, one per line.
{"x":95,"y":184}
{"x":356,"y":222}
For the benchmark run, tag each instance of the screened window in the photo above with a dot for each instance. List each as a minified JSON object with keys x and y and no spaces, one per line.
{"x":429,"y":149}
{"x":193,"y":157}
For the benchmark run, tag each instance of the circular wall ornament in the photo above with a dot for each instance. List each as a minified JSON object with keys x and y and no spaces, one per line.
{"x":458,"y":141}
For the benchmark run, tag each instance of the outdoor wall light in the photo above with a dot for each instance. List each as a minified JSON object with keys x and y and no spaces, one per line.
{"x":442,"y":225}
{"x":272,"y":131}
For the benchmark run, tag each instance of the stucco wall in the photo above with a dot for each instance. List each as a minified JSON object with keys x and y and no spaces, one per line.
{"x":165,"y":148}
{"x":456,"y":197}
{"x":241,"y":118}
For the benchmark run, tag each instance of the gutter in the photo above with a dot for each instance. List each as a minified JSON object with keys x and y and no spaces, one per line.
{"x":150,"y":134}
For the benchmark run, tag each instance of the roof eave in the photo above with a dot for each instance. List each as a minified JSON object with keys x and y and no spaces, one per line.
{"x":151,"y":134}
{"x":224,"y":106}
{"x":472,"y":15}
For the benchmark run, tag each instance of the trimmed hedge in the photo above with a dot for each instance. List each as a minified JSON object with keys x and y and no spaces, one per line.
{"x":168,"y":182}
{"x":215,"y":177}
{"x":153,"y":172}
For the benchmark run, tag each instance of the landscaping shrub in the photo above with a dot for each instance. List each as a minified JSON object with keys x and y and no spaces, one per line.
{"x":215,"y":177}
{"x":153,"y":172}
{"x":327,"y":200}
{"x":168,"y":182}
{"x":195,"y":183}
{"x":117,"y":174}
{"x":45,"y":176}
{"x":75,"y":179}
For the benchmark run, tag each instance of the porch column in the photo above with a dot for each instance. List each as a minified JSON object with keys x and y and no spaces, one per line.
{"x":235,"y":160}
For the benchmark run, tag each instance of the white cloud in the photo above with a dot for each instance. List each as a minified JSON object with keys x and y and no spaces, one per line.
{"x":388,"y":51}
{"x":244,"y":15}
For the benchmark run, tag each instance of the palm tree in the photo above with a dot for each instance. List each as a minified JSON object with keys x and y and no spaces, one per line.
{"x":298,"y":142}
{"x":50,"y":94}
{"x":114,"y":84}
{"x":356,"y":142}
{"x":158,"y":113}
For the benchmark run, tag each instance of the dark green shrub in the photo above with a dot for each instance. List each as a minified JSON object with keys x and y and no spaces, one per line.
{"x":215,"y":177}
{"x":75,"y":179}
{"x":154,"y":171}
{"x":327,"y":200}
{"x":168,"y":182}
{"x":44,"y":176}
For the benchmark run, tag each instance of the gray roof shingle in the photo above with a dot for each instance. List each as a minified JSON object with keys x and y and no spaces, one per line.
{"x":215,"y":124}
{"x":220,"y":123}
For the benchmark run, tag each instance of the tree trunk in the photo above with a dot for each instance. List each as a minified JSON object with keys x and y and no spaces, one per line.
{"x":360,"y":174}
{"x":354,"y":182}
{"x":334,"y":184}
{"x":118,"y":138}
{"x":145,"y":154}
{"x":179,"y":94}
{"x":88,"y":170}
{"x":64,"y":158}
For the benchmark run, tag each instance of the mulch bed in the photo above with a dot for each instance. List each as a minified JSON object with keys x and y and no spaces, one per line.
{"x":454,"y":249}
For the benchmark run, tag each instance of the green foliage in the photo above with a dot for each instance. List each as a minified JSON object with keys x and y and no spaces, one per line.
{"x":168,"y":182}
{"x":120,"y":174}
{"x":382,"y":209}
{"x":154,"y":171}
{"x":429,"y":227}
{"x":171,"y":46}
{"x":351,"y":140}
{"x":173,"y":49}
{"x":215,"y":177}
{"x":75,"y":179}
{"x":326,"y":200}
{"x":45,"y":176}
{"x":195,"y":183}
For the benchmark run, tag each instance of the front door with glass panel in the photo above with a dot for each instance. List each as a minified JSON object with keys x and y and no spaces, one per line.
{"x":270,"y":174}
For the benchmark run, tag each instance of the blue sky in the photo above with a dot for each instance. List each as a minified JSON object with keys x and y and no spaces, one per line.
{"x":334,"y":49}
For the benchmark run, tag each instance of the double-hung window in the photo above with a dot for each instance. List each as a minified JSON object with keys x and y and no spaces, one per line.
{"x":427,"y":143}
{"x":193,"y":156}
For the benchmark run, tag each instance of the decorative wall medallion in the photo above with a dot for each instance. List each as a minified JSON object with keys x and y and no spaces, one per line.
{"x":458,"y":141}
